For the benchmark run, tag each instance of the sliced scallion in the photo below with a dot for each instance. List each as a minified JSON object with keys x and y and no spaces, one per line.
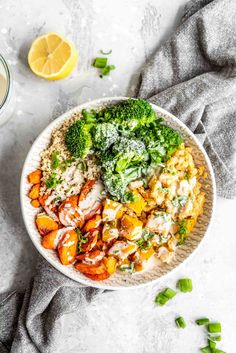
{"x":212,"y":344}
{"x":169,"y":293}
{"x":100,"y":63}
{"x":106,"y":70}
{"x":180,"y":322}
{"x":161,"y":299}
{"x":206,"y":349}
{"x":203,"y":321}
{"x":215,"y":338}
{"x":185,"y":285}
{"x":214,"y":327}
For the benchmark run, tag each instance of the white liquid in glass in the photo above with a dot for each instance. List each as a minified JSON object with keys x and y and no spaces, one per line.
{"x":3,"y":87}
{"x":7,"y":99}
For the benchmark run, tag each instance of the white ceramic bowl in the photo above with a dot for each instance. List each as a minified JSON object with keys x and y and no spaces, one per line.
{"x":119,"y":280}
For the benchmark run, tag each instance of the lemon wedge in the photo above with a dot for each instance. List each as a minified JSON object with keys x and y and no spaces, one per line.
{"x":52,"y":56}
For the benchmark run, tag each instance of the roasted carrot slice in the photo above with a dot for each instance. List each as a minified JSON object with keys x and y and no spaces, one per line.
{"x":91,"y":269}
{"x":34,"y":192}
{"x":45,"y":224}
{"x":93,"y":223}
{"x":70,"y":213}
{"x":92,"y":237}
{"x":67,"y":247}
{"x":86,"y":188}
{"x":100,"y":277}
{"x":49,"y":240}
{"x":35,"y":203}
{"x":35,"y":177}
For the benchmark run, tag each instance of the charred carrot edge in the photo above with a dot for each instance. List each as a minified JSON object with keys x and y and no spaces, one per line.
{"x":34,"y":192}
{"x":86,"y":188}
{"x":35,"y":203}
{"x":91,"y":269}
{"x":35,"y":176}
{"x":100,"y":277}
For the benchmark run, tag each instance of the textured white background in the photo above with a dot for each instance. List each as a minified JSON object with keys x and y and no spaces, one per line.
{"x":126,"y":321}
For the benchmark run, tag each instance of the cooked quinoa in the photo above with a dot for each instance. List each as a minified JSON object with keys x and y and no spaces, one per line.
{"x":73,"y":174}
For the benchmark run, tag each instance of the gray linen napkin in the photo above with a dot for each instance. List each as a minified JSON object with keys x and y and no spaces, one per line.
{"x":193,"y":76}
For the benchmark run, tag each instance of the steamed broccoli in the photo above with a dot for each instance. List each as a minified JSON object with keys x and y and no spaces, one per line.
{"x":127,"y":152}
{"x":78,"y":139}
{"x":116,"y":183}
{"x":104,"y":135}
{"x":131,"y":113}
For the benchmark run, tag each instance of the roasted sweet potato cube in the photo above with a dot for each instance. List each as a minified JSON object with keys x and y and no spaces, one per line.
{"x":131,"y":227}
{"x":145,"y":255}
{"x":138,"y":204}
{"x":45,"y":224}
{"x":49,"y":240}
{"x":112,"y":210}
{"x":92,"y":223}
{"x":67,"y":247}
{"x":35,"y":177}
{"x":34,"y":192}
{"x":109,"y":232}
{"x":35,"y":203}
{"x":110,"y":263}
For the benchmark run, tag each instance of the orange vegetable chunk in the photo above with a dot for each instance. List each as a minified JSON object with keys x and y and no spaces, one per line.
{"x":70,"y":214}
{"x":91,"y":269}
{"x":100,"y":277}
{"x":35,"y":203}
{"x":35,"y":177}
{"x":92,"y":223}
{"x":34,"y":192}
{"x":45,"y":224}
{"x":67,"y":247}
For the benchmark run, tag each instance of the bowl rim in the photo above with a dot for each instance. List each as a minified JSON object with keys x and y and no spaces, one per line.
{"x":67,"y":114}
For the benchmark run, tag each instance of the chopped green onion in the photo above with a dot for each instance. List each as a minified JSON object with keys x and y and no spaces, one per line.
{"x":100,"y":63}
{"x":206,"y":349}
{"x":212,"y":344}
{"x":161,"y":299}
{"x":214,"y":328}
{"x":218,"y":351}
{"x":55,"y":160}
{"x":185,"y":285}
{"x":215,"y":338}
{"x":201,"y":322}
{"x":106,"y":70}
{"x":105,"y":53}
{"x":169,"y":293}
{"x":180,"y":322}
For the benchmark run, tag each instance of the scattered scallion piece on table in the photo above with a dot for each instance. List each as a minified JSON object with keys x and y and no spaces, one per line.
{"x":215,"y":338}
{"x":203,"y":321}
{"x":185,"y":285}
{"x":218,"y":351}
{"x":100,"y":63}
{"x":105,"y":53}
{"x":214,"y":327}
{"x":206,"y":349}
{"x":106,"y":70}
{"x":169,"y":293}
{"x":212,"y":344}
{"x":180,"y":322}
{"x":163,"y":297}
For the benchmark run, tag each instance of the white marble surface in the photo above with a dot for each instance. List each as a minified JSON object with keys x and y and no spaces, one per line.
{"x":126,"y":321}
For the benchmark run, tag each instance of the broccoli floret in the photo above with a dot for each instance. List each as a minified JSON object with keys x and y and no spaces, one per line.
{"x":116,"y":183}
{"x":127,"y":152}
{"x":131,"y":113}
{"x":104,"y":135}
{"x":78,"y":139}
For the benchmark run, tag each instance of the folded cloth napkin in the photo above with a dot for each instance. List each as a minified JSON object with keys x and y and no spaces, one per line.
{"x":193,"y":76}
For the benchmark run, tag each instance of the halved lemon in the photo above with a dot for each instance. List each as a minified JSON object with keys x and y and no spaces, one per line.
{"x":52,"y":56}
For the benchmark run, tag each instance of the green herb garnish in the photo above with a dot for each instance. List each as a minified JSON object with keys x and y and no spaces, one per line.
{"x":203,"y":321}
{"x":185,"y":285}
{"x":100,"y":63}
{"x":180,"y":322}
{"x":106,"y":70}
{"x":214,"y":327}
{"x":163,"y":297}
{"x":55,"y":161}
{"x":52,"y":181}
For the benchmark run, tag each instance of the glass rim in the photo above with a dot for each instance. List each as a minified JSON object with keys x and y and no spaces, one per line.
{"x":8,"y":79}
